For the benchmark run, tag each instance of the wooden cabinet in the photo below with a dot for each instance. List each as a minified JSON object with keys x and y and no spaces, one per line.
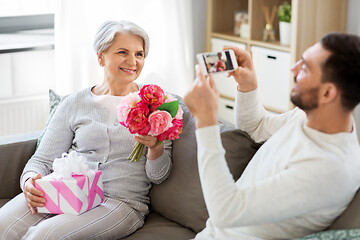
{"x":273,"y":70}
{"x":311,"y":19}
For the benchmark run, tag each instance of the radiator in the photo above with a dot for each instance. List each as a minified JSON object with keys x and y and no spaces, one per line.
{"x":23,"y":115}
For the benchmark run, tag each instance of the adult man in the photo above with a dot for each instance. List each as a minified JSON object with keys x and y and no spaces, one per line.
{"x":307,"y":171}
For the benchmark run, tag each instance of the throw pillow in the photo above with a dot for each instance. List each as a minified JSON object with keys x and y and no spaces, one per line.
{"x":180,"y":197}
{"x":54,"y":100}
{"x":240,"y":148}
{"x":335,"y":235}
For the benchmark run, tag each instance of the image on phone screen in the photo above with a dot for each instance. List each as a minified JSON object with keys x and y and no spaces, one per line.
{"x":218,"y":62}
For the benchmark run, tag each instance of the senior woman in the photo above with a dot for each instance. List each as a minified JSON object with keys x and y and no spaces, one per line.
{"x":86,"y":122}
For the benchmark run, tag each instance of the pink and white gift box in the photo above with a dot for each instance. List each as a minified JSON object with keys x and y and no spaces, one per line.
{"x":74,"y":195}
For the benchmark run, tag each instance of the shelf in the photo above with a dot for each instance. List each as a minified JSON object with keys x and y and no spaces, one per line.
{"x":273,"y":45}
{"x":310,"y":21}
{"x":227,"y":97}
{"x":231,"y":37}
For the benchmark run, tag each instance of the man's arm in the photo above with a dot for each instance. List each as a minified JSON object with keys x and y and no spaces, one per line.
{"x":287,"y":194}
{"x":202,"y":100}
{"x":250,"y":115}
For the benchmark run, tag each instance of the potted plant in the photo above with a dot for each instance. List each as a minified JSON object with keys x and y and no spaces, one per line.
{"x":284,"y":15}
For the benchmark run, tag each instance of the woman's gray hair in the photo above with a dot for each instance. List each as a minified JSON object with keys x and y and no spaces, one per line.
{"x":108,"y":30}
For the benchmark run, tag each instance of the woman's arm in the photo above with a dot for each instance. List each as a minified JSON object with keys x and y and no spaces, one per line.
{"x":56,"y":140}
{"x":159,"y":169}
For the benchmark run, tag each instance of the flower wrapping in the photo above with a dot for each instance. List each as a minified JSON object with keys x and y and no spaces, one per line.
{"x":72,"y":194}
{"x":150,"y":112}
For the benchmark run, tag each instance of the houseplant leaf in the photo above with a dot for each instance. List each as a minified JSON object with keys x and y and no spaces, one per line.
{"x":284,"y":12}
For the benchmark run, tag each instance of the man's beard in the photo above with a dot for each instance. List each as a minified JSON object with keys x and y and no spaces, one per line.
{"x":306,"y":101}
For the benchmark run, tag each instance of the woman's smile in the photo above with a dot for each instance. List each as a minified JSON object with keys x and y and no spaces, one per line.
{"x":128,"y":70}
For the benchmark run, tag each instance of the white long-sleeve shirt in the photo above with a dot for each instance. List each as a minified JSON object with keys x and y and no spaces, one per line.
{"x":297,"y":183}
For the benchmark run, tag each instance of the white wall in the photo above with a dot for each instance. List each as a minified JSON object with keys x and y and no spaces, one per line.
{"x":353,"y":26}
{"x":353,"y":18}
{"x":199,"y":26}
{"x":10,"y":8}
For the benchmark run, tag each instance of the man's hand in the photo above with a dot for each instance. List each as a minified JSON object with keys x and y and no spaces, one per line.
{"x":202,"y":100}
{"x":155,"y":148}
{"x":245,"y":74}
{"x":33,"y":196}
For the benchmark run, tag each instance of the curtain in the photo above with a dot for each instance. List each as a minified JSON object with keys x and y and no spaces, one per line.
{"x":170,"y":62}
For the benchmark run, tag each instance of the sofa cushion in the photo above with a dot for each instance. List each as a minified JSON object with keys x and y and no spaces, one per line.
{"x":334,"y":235}
{"x":350,"y":218}
{"x":158,"y":228}
{"x":3,"y":202}
{"x":17,"y":148}
{"x":180,"y":197}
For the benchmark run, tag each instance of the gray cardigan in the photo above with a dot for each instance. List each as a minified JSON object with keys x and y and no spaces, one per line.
{"x":80,"y":124}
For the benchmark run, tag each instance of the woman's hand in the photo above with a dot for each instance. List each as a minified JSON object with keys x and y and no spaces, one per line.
{"x":33,"y":196}
{"x":202,"y":100}
{"x":245,"y":74}
{"x":155,"y":148}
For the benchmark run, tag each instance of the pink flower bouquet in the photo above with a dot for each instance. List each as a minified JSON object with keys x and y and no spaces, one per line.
{"x":150,"y":112}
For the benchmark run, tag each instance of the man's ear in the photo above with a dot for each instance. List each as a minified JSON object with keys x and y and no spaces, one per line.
{"x":101,"y":60}
{"x":328,"y":93}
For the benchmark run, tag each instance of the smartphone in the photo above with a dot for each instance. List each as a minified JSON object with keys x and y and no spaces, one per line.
{"x":217,"y":62}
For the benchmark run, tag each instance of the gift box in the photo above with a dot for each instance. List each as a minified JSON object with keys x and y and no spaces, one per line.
{"x":74,"y":195}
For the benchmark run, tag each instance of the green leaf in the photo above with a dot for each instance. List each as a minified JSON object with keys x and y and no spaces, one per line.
{"x":284,"y":12}
{"x":170,"y":107}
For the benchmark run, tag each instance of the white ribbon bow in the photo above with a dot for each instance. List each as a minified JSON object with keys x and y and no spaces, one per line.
{"x":69,"y":164}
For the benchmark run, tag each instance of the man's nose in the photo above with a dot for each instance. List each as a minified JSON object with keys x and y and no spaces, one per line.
{"x":296,"y":68}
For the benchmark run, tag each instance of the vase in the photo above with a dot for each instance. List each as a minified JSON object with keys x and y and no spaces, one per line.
{"x":285,"y":32}
{"x":245,"y":31}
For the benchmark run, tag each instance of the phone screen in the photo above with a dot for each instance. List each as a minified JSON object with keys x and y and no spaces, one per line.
{"x":218,"y":62}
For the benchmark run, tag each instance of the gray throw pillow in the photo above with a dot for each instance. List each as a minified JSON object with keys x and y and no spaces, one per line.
{"x":240,"y":148}
{"x":54,"y":100}
{"x":180,"y":197}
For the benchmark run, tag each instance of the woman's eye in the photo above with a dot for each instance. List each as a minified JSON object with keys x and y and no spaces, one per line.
{"x":140,"y":54}
{"x":122,"y":52}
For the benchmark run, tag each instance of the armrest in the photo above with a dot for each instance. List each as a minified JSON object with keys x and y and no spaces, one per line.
{"x":15,"y":151}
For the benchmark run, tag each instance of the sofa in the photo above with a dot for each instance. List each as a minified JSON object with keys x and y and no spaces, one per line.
{"x":177,"y":209}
